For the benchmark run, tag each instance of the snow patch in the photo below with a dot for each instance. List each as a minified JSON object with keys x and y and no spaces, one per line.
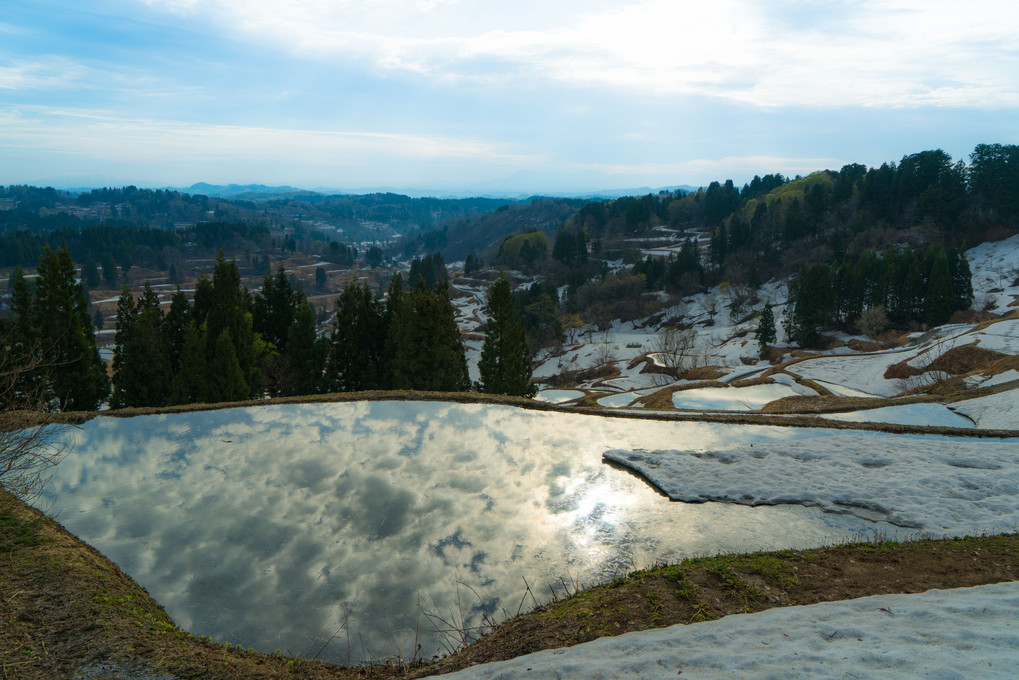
{"x":936,"y":415}
{"x":939,"y":485}
{"x":962,"y":633}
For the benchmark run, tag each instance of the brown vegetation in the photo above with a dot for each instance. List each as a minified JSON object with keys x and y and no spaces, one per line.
{"x":712,"y":373}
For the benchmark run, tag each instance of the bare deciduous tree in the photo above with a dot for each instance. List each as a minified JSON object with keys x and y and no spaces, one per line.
{"x":711,"y":305}
{"x":872,"y":321}
{"x":30,"y":443}
{"x":604,"y":355}
{"x":673,"y":347}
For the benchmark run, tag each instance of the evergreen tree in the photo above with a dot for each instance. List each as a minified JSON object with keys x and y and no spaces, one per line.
{"x":795,"y":223}
{"x":939,"y":302}
{"x":174,"y":323}
{"x":814,"y":305}
{"x":202,"y":303}
{"x":962,"y":279}
{"x":75,"y":375}
{"x":90,"y":275}
{"x":228,"y":311}
{"x":429,"y":353}
{"x":505,"y":364}
{"x":305,"y":352}
{"x":274,"y":308}
{"x":109,"y":270}
{"x":21,"y":338}
{"x":142,"y":375}
{"x":766,"y":328}
{"x":190,"y":383}
{"x":393,"y":316}
{"x":225,"y":375}
{"x":719,"y":244}
{"x":358,"y":341}
{"x":472,"y":264}
{"x":126,"y":310}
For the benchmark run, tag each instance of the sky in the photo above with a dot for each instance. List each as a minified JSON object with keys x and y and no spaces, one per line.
{"x":492,"y":96}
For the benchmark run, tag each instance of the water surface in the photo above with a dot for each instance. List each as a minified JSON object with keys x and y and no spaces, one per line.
{"x":278,"y":527}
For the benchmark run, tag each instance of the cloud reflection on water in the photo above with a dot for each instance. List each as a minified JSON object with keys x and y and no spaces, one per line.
{"x":265,"y":526}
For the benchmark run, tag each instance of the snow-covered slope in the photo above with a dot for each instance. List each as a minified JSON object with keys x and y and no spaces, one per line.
{"x":963,"y":633}
{"x":730,"y":345}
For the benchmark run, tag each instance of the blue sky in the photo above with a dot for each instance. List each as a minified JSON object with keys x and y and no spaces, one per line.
{"x":478,"y":96}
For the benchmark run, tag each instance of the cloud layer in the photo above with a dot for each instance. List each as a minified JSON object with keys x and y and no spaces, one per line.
{"x":464,"y":94}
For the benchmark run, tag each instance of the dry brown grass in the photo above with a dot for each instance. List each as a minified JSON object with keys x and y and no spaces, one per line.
{"x":834,"y":404}
{"x":658,"y":401}
{"x":750,"y":382}
{"x":773,"y":355}
{"x":858,"y":345}
{"x":817,"y":387}
{"x":901,"y":371}
{"x":703,"y":373}
{"x":966,"y":359}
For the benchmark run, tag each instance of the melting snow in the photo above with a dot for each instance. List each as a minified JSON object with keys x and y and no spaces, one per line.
{"x":936,"y":415}
{"x":963,"y":633}
{"x":935,"y":484}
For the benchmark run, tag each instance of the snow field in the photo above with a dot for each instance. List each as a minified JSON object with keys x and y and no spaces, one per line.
{"x":995,"y":412}
{"x":936,"y":415}
{"x":962,"y":633}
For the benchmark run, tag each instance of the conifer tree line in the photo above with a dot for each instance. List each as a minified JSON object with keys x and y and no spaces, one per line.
{"x":228,"y":345}
{"x":900,"y":288}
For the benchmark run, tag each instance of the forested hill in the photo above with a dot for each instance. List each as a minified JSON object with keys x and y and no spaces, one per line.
{"x":854,"y":209}
{"x":31,"y":216}
{"x":925,"y":197}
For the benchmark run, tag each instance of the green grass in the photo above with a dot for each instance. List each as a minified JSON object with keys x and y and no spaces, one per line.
{"x":15,"y":531}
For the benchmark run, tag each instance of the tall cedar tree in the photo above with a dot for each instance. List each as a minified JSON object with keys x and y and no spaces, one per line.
{"x":226,"y":376}
{"x":274,"y":308}
{"x":305,"y":353}
{"x":281,"y":316}
{"x":394,"y":307}
{"x":21,"y":337}
{"x":141,"y":361}
{"x":174,"y":323}
{"x":429,"y":353}
{"x":229,"y":311}
{"x":54,"y":320}
{"x":190,"y":383}
{"x":358,"y":341}
{"x":505,"y":364}
{"x":766,"y":328}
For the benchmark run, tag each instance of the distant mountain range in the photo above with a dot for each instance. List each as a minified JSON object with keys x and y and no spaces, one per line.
{"x":256,"y":191}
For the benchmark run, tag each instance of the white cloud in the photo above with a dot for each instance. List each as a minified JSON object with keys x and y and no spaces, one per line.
{"x":42,"y":74}
{"x":873,"y":53}
{"x":105,"y":135}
